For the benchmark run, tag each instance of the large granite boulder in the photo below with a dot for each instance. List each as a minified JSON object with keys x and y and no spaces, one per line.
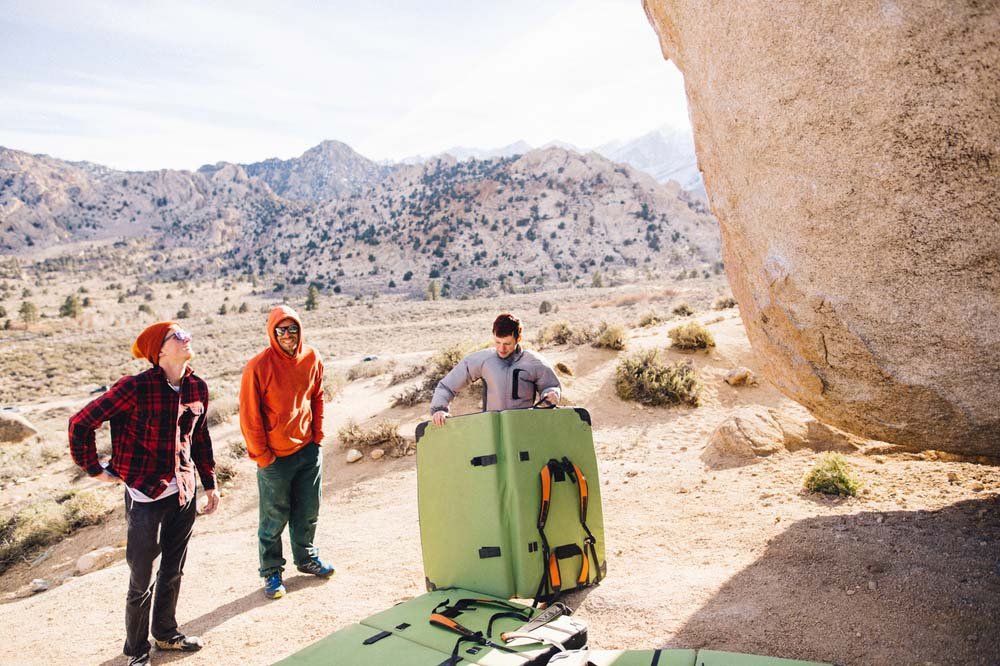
{"x":15,"y":428}
{"x":851,"y":152}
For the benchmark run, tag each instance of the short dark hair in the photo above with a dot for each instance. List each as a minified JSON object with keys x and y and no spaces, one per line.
{"x":507,"y":324}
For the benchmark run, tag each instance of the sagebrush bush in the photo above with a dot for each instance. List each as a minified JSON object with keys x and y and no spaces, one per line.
{"x":366,"y":369}
{"x":561,"y":333}
{"x":724,"y":303}
{"x":647,"y":378}
{"x":611,"y":336}
{"x":437,"y":366}
{"x":682,"y":309}
{"x":46,"y":522}
{"x":692,"y":335}
{"x":221,"y":409}
{"x":831,"y":476}
{"x":544,"y":307}
{"x":407,"y":373}
{"x":384,"y":434}
{"x":651,"y":318}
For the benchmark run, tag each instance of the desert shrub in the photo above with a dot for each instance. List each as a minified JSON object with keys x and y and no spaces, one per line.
{"x":411,"y":395}
{"x":437,"y":366}
{"x":831,"y":476}
{"x":333,"y":385}
{"x":682,"y":309}
{"x":46,"y":522}
{"x":724,"y":303}
{"x":384,"y":434}
{"x":225,"y":470}
{"x":544,"y":307}
{"x":404,"y":374}
{"x":143,"y":307}
{"x":646,"y":377}
{"x":692,"y":335}
{"x":220,"y":409}
{"x":651,"y":318}
{"x":611,"y":336}
{"x":564,"y":369}
{"x":561,"y":333}
{"x":184,"y":312}
{"x":237,"y":449}
{"x":373,"y":368}
{"x":3,"y":311}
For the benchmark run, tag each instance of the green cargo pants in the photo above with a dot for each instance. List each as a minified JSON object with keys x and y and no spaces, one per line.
{"x":290,"y":492}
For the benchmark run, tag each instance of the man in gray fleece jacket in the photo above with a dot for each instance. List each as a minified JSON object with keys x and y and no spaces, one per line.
{"x":512,"y":376}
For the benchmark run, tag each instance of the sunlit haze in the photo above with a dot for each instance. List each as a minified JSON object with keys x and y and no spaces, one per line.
{"x":138,"y":85}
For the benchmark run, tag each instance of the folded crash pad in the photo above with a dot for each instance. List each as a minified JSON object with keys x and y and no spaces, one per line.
{"x":479,"y":492}
{"x":404,"y":635}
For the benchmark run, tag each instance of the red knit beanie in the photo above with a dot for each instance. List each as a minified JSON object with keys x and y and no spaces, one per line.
{"x":150,"y":341}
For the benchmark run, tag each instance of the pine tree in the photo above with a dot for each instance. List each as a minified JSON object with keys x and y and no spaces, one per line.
{"x":28,"y":312}
{"x":71,"y":307}
{"x":312,"y":298}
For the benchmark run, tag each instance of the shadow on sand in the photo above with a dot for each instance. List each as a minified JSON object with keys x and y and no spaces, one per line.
{"x":912,"y":587}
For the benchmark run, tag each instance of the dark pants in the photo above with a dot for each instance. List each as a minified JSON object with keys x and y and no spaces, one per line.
{"x":155,"y":528}
{"x":290,"y":493}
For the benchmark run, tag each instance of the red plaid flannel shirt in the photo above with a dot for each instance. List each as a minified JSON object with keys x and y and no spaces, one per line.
{"x":143,"y":413}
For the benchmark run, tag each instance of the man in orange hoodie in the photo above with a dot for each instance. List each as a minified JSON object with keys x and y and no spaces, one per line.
{"x":281,"y":416}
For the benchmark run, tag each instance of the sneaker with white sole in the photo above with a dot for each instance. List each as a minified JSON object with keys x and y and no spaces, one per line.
{"x":139,"y":660}
{"x":273,"y":587}
{"x":316,"y":567}
{"x":180,"y":642}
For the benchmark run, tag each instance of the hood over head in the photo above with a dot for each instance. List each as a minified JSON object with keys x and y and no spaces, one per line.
{"x":277,"y":314}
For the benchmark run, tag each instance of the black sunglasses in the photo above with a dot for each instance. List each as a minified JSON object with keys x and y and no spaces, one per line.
{"x":291,"y":329}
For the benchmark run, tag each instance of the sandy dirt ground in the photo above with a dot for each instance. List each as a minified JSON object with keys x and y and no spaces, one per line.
{"x":700,"y":554}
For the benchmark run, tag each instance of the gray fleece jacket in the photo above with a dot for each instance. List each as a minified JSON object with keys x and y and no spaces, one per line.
{"x":510,"y":383}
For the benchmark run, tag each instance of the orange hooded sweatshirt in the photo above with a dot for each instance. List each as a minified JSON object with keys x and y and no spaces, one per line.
{"x":281,"y":397}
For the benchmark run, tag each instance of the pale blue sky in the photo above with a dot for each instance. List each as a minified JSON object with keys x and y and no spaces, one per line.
{"x":143,"y":85}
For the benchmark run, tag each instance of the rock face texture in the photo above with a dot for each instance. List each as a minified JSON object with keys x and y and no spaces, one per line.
{"x":851,"y":152}
{"x":15,"y":428}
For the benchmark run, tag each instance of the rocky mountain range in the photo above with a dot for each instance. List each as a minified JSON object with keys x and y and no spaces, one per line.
{"x":338,"y":220}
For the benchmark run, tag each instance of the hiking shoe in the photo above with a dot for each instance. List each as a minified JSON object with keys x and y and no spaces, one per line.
{"x":139,"y":660}
{"x":316,"y":567}
{"x":273,"y":587}
{"x":180,"y":642}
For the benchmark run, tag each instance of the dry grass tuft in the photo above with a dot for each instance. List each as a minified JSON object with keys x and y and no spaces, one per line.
{"x":562,"y":332}
{"x":384,"y":434}
{"x":438,"y":365}
{"x":564,"y":369}
{"x":651,"y":318}
{"x":221,"y":410}
{"x":692,"y":335}
{"x":682,"y":309}
{"x":646,"y":377}
{"x":611,"y":336}
{"x":724,"y":303}
{"x":46,"y":522}
{"x":831,"y":476}
{"x":373,"y":368}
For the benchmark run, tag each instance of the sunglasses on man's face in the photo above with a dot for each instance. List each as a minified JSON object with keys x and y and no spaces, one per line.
{"x":291,"y":329}
{"x":181,"y":335}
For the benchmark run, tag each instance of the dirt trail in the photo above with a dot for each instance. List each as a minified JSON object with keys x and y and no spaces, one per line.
{"x":735,"y":559}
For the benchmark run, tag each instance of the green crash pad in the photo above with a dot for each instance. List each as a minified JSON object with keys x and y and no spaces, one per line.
{"x":479,"y":491}
{"x":669,"y":658}
{"x":403,"y":636}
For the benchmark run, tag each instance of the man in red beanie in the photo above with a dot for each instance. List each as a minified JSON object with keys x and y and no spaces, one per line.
{"x":281,"y":415}
{"x":158,"y":439}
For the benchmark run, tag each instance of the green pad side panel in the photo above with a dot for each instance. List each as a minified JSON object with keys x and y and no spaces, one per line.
{"x":458,"y":507}
{"x":414,"y":615}
{"x":464,"y":508}
{"x":626,"y":658}
{"x":346,"y":648}
{"x":715,"y":658}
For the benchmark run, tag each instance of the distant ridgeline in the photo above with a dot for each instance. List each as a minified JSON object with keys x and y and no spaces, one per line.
{"x":337,"y":220}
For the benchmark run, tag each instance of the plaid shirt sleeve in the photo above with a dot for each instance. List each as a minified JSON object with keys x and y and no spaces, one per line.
{"x":119,"y":399}
{"x":201,"y":444}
